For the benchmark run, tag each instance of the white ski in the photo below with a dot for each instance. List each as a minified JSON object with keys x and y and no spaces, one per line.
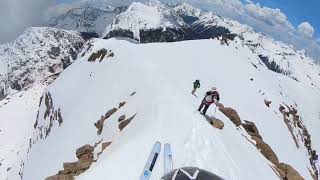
{"x":168,"y":165}
{"x":146,"y":173}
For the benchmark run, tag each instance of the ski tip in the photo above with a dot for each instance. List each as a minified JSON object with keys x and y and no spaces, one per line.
{"x":157,"y":143}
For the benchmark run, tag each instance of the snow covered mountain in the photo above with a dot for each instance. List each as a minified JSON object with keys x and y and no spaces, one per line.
{"x":147,"y":87}
{"x":27,"y":66}
{"x":105,"y":111}
{"x":88,"y":19}
{"x":158,"y":22}
{"x":35,"y":55}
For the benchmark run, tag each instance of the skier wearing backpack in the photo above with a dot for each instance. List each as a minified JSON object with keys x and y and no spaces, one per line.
{"x":211,"y":96}
{"x":196,"y":85}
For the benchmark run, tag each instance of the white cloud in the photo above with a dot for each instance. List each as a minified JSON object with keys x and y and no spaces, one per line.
{"x":16,"y":15}
{"x":306,"y":29}
{"x":273,"y":17}
{"x":249,"y":1}
{"x":272,"y":22}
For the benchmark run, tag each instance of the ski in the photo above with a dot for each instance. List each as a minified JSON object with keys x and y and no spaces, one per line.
{"x":168,"y":165}
{"x":151,"y":161}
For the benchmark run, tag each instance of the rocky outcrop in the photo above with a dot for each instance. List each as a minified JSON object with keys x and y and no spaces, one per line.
{"x":60,"y":177}
{"x":121,"y":118}
{"x":217,"y":123}
{"x":85,"y":159}
{"x":100,"y":54}
{"x":267,"y":103}
{"x":100,"y":122}
{"x":50,"y":115}
{"x":251,"y":129}
{"x":103,"y":118}
{"x":231,"y":114}
{"x":288,"y":172}
{"x":298,"y":130}
{"x":124,"y":123}
{"x":266,"y":150}
{"x":103,"y":147}
{"x":284,"y":170}
{"x":35,"y":55}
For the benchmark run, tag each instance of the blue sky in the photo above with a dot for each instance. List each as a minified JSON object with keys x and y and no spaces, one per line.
{"x":297,"y":11}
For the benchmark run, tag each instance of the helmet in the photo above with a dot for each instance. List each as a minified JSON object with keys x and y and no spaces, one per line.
{"x":190,"y":173}
{"x":213,"y":88}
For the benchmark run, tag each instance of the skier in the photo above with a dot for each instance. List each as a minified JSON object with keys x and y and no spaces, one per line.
{"x":190,"y":173}
{"x":211,"y":96}
{"x":196,"y":85}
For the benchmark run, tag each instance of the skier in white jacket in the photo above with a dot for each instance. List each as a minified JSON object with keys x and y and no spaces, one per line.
{"x":211,"y":96}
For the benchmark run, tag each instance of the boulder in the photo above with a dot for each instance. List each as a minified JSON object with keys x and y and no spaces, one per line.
{"x":289,"y":172}
{"x":110,"y":112}
{"x":121,"y":105}
{"x":231,"y":114}
{"x":121,"y":118}
{"x":69,"y":168}
{"x":105,"y":145}
{"x":266,"y":150}
{"x":123,"y":124}
{"x":251,"y":129}
{"x":60,"y":177}
{"x":86,"y":149}
{"x":217,"y":123}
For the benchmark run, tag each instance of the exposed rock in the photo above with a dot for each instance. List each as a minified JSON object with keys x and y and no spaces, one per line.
{"x":61,"y":177}
{"x":97,"y":143}
{"x":99,"y":124}
{"x":121,"y":105}
{"x":100,"y":54}
{"x":217,"y":123}
{"x":266,"y":150}
{"x":86,"y":158}
{"x":70,"y":167}
{"x":289,"y":172}
{"x":267,"y":102}
{"x":105,"y":145}
{"x":231,"y":114}
{"x":110,"y":112}
{"x":86,"y":149}
{"x":251,"y":129}
{"x":124,"y":123}
{"x":281,"y":108}
{"x":121,"y":118}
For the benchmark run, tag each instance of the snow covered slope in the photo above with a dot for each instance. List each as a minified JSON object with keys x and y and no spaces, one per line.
{"x":88,"y":19}
{"x":18,"y":113}
{"x":154,"y":80}
{"x":27,"y":66}
{"x":35,"y":55}
{"x":158,"y":22}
